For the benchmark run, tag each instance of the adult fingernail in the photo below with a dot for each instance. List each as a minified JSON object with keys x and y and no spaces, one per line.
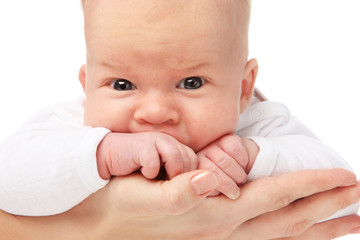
{"x":204,"y":182}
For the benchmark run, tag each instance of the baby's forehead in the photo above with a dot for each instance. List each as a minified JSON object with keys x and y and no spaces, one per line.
{"x":161,"y":27}
{"x":156,"y":3}
{"x":154,"y":10}
{"x":146,"y":15}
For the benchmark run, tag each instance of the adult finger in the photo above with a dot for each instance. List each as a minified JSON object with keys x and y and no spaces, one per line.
{"x":154,"y":209}
{"x":270,"y":194}
{"x":171,"y":197}
{"x":186,"y":190}
{"x":296,"y":218}
{"x":331,"y":229}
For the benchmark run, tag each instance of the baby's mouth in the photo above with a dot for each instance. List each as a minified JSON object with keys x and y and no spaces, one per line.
{"x":179,"y":132}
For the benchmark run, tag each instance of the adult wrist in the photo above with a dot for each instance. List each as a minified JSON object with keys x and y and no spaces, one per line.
{"x":67,"y":226}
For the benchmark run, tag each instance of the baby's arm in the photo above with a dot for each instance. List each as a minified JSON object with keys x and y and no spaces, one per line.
{"x":49,"y":164}
{"x":230,"y":158}
{"x":53,"y":162}
{"x":275,"y":139}
{"x":285,"y":144}
{"x":121,"y":154}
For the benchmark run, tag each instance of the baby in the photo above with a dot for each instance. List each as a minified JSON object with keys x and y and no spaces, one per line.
{"x":176,"y":74}
{"x":167,"y":83}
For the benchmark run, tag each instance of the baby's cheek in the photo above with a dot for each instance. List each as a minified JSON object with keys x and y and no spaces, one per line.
{"x":235,"y":121}
{"x":212,"y":127}
{"x":89,"y":117}
{"x":95,"y":116}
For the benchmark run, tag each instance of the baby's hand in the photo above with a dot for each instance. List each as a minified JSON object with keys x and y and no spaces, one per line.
{"x":228,"y":159}
{"x":123,"y":153}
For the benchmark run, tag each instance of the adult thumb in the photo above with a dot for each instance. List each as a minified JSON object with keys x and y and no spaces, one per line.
{"x":186,"y":190}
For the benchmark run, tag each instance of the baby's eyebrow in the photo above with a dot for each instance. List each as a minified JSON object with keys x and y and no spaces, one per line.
{"x":178,"y":66}
{"x":197,"y":66}
{"x":184,"y":66}
{"x":114,"y":66}
{"x":107,"y":64}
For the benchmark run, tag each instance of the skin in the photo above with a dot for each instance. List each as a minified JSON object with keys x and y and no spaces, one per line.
{"x":155,"y":51}
{"x":171,"y":209}
{"x":157,"y":60}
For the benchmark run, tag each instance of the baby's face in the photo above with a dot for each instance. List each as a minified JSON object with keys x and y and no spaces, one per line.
{"x":175,"y":67}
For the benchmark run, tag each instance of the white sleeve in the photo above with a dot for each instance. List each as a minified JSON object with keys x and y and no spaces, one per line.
{"x":49,"y":165}
{"x":285,"y":144}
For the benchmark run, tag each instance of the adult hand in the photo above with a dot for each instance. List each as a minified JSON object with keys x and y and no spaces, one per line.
{"x":137,"y":208}
{"x":298,"y":220}
{"x":330,"y":229}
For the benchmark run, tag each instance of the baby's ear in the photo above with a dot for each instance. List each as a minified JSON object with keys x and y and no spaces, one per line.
{"x":82,"y":76}
{"x":248,"y":83}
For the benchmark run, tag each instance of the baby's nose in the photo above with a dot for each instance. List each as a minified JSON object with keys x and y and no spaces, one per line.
{"x":157,"y":110}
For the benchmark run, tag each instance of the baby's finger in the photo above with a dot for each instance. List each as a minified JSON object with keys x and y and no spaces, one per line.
{"x":227,"y":186}
{"x":193,"y":160}
{"x":233,"y":145}
{"x":189,"y":158}
{"x":172,"y":156}
{"x":149,"y":162}
{"x":226,"y":163}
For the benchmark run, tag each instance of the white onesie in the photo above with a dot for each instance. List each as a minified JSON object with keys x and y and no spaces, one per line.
{"x":49,"y":165}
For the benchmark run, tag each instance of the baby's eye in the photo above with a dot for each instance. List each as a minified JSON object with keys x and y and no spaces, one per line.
{"x":191,"y":83}
{"x":122,"y":85}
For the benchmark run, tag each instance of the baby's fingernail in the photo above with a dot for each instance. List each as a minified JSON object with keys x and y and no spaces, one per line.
{"x":235,"y":195}
{"x":203,"y":183}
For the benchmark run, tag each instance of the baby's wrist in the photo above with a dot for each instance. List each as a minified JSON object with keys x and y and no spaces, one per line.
{"x":252,"y":149}
{"x":102,"y":154}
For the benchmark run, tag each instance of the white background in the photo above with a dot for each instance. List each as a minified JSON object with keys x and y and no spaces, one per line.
{"x":308,"y":52}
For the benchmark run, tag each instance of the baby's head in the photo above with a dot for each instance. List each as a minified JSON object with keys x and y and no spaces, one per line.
{"x":177,"y":67}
